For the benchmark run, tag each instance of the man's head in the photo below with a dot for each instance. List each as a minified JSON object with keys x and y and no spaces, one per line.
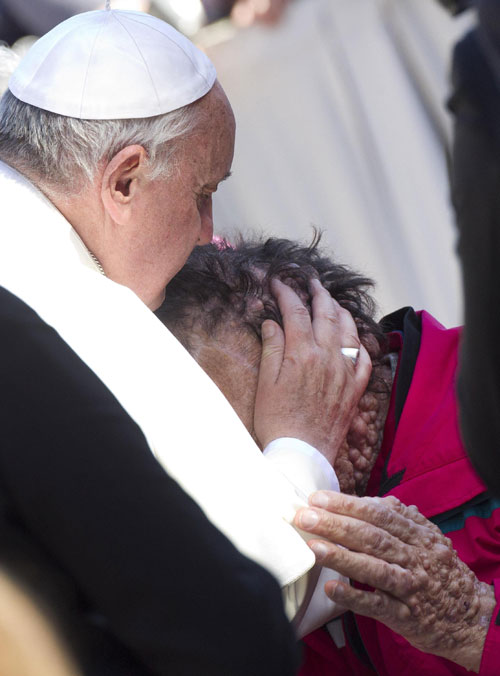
{"x":216,"y":305}
{"x":132,"y":152}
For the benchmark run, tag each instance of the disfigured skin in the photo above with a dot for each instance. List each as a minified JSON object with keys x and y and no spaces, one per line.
{"x":423,"y":591}
{"x":362,"y":445}
{"x":295,"y":402}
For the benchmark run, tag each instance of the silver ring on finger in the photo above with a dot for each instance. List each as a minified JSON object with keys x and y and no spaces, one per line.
{"x":352,"y":353}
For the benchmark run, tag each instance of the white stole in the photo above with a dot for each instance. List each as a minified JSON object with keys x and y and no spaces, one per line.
{"x":189,"y":425}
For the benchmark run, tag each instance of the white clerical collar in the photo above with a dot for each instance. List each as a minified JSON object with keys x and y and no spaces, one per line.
{"x":190,"y":426}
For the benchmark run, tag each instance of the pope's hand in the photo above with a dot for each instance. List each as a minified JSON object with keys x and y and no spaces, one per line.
{"x":423,"y":591}
{"x":307,"y":388}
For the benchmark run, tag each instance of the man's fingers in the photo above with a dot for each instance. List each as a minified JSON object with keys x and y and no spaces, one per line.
{"x":296,"y":319}
{"x":273,"y":347}
{"x":388,"y":514}
{"x":357,"y":536}
{"x":306,"y":389}
{"x":271,"y":362}
{"x":377,"y":604}
{"x":334,"y":328}
{"x":348,"y":332}
{"x":326,"y":317}
{"x":388,"y":577}
{"x":333,"y":325}
{"x":363,"y":368}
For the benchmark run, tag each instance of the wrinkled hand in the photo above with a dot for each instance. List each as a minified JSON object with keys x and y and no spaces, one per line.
{"x":423,"y":591}
{"x":307,"y":389}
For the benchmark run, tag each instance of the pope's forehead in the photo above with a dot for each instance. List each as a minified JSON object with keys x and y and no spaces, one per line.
{"x":209,"y":149}
{"x":215,"y":112}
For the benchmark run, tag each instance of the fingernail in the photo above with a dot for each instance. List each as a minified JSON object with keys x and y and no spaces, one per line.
{"x":335,"y":591}
{"x":308,"y":519}
{"x":319,"y":500}
{"x":319,"y":549}
{"x":268,"y":330}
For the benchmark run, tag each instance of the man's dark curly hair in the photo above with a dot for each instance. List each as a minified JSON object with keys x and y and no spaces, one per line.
{"x":229,"y":285}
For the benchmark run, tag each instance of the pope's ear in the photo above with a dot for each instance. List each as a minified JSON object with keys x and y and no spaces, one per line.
{"x":122,"y":178}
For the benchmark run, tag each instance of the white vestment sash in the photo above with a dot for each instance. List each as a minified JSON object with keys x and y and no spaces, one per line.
{"x":189,"y":425}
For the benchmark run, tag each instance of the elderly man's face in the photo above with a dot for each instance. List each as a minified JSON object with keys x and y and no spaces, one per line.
{"x":231,"y":358}
{"x":177,"y":211}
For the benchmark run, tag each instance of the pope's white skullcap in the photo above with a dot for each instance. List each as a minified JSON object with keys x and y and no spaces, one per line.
{"x":112,"y":64}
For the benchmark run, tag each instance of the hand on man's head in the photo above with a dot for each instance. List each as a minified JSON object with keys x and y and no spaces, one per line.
{"x":307,"y":388}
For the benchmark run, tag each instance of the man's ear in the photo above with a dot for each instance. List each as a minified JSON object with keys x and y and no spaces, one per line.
{"x":121,"y":180}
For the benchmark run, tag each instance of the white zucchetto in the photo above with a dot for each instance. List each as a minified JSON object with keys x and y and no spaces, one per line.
{"x":112,"y":64}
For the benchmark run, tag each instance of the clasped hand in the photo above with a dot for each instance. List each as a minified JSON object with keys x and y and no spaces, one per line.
{"x":423,"y":591}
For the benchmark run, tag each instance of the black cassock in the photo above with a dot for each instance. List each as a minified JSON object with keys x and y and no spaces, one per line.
{"x":141,"y":581}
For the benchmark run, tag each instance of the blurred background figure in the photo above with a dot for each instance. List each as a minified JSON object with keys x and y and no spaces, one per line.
{"x":342,"y":125}
{"x":191,"y":15}
{"x":35,"y":17}
{"x":246,"y":12}
{"x":475,"y":180}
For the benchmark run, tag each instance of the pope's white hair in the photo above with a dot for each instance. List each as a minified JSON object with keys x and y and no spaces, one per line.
{"x":61,"y":154}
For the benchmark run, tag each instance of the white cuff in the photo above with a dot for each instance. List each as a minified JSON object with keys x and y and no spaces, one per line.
{"x":304,"y":466}
{"x":306,"y":470}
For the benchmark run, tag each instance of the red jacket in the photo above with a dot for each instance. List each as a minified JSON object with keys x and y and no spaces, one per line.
{"x":422,"y":462}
